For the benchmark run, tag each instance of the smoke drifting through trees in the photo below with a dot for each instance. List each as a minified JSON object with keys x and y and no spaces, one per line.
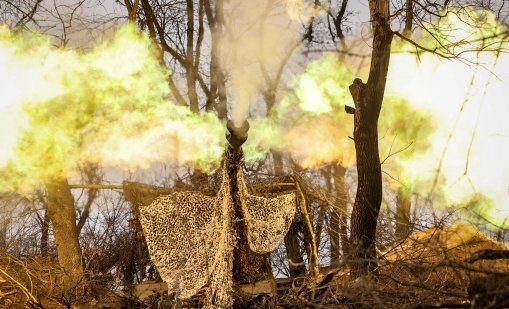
{"x":257,"y":40}
{"x":296,"y":114}
{"x":125,"y":106}
{"x":108,"y":106}
{"x":466,"y":100}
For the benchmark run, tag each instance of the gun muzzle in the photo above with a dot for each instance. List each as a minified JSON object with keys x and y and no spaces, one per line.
{"x":236,"y":136}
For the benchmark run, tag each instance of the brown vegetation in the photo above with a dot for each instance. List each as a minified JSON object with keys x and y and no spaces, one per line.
{"x":356,"y":241}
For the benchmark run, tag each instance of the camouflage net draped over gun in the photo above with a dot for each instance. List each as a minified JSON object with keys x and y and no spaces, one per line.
{"x":268,"y":219}
{"x":191,"y":239}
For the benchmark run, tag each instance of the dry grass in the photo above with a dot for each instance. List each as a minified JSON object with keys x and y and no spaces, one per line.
{"x":426,"y":268}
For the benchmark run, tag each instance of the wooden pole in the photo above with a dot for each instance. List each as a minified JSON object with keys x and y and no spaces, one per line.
{"x":96,"y":186}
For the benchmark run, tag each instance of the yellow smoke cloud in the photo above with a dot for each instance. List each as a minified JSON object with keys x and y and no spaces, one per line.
{"x":467,"y":100}
{"x":62,"y":107}
{"x":309,"y":122}
{"x":428,"y":99}
{"x":320,"y":140}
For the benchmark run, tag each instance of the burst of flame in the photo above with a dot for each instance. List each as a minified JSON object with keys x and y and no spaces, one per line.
{"x":109,"y":106}
{"x":319,"y":141}
{"x":425,"y":96}
{"x":59,"y":108}
{"x":309,"y":122}
{"x":467,"y":101}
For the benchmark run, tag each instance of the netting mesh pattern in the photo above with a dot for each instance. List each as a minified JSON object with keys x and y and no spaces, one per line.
{"x":191,"y":239}
{"x":268,"y":219}
{"x":178,"y":258}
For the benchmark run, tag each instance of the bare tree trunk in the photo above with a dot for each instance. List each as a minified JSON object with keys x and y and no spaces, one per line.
{"x":215,"y":20}
{"x":91,"y":196}
{"x":334,"y":236}
{"x":45,"y":234}
{"x":309,"y":233}
{"x":190,"y":69}
{"x":338,"y":23}
{"x":320,"y":221}
{"x":4,"y":222}
{"x":293,"y":251}
{"x":338,"y":229}
{"x":367,"y":201}
{"x":403,"y":224}
{"x":409,"y":19}
{"x":92,"y":175}
{"x":368,"y":102}
{"x":277,"y":161}
{"x":3,"y":234}
{"x":343,"y":230}
{"x":62,"y":213}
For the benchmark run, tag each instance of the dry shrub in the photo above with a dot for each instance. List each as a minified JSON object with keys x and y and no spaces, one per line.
{"x":34,"y":283}
{"x":436,"y":257}
{"x":428,"y":267}
{"x":39,"y":283}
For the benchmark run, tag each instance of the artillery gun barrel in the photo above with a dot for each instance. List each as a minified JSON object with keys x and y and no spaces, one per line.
{"x":236,"y":136}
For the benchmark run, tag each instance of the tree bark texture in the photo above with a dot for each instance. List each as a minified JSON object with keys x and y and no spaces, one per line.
{"x":334,"y":237}
{"x":368,"y":102}
{"x":45,"y":234}
{"x":409,"y":18}
{"x":309,"y":233}
{"x":3,"y":234}
{"x":217,"y":99}
{"x":338,"y":229}
{"x":320,"y":223}
{"x":293,"y":251}
{"x":296,"y":264}
{"x":190,"y":69}
{"x":91,"y":196}
{"x":62,"y":213}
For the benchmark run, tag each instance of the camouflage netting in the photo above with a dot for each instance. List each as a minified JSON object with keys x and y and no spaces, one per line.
{"x":191,"y":238}
{"x":268,"y":219}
